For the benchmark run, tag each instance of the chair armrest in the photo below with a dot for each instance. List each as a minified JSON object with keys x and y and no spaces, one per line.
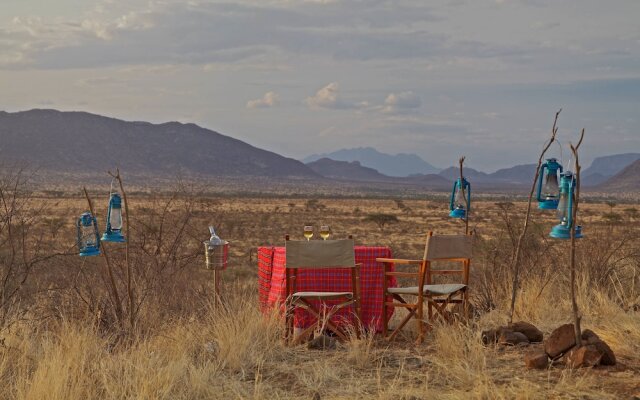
{"x":398,"y":261}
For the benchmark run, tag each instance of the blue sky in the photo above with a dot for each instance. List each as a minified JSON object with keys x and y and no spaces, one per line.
{"x":440,"y":79}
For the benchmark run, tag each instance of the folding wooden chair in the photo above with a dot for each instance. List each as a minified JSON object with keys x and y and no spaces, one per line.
{"x":320,"y":254}
{"x":450,"y":248}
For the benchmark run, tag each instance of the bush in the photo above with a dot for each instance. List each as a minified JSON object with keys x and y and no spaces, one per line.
{"x":381,"y":219}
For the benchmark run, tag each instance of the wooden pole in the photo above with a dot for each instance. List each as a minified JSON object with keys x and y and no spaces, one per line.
{"x":464,"y":195}
{"x":515,"y":258}
{"x":574,"y":224}
{"x":130,"y":297}
{"x":112,"y":281}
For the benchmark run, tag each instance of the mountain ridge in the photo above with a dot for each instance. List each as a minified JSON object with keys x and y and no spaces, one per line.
{"x":76,"y":141}
{"x":398,"y":165}
{"x":626,"y":180}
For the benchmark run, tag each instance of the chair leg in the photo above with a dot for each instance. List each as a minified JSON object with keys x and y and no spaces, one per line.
{"x":465,"y":304}
{"x":302,"y":336}
{"x":385,"y":318}
{"x":420,"y":323}
{"x":288,"y":316}
{"x":411,"y":314}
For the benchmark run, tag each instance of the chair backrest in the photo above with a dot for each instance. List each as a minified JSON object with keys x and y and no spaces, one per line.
{"x":443,"y":247}
{"x":320,"y":253}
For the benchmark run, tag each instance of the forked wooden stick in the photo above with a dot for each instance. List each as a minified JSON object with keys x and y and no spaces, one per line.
{"x":464,"y":195}
{"x":112,"y":282}
{"x":574,"y":216}
{"x":132,"y":316}
{"x":515,"y":258}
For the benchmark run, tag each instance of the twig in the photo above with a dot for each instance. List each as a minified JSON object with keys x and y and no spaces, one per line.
{"x":132,"y":316}
{"x":574,"y":216}
{"x":105,"y":254}
{"x":515,"y":259}
{"x":466,"y":202}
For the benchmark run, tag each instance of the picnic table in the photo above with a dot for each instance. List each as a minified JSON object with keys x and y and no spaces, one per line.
{"x":272,"y":290}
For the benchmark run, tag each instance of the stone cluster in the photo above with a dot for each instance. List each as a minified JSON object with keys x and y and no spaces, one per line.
{"x":559,"y":348}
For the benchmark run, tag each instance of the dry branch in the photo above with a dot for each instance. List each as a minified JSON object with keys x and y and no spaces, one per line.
{"x":112,"y":283}
{"x":464,"y":195}
{"x":574,"y":216}
{"x":515,"y":259}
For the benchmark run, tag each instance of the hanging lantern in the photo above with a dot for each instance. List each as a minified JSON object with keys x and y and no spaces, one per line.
{"x":216,"y":252}
{"x":458,"y":206}
{"x":565,"y":209}
{"x":88,"y":236}
{"x":548,"y":190}
{"x":114,"y":220}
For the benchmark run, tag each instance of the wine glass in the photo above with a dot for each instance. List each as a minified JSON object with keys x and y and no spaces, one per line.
{"x":308,"y":232}
{"x":325,"y":232}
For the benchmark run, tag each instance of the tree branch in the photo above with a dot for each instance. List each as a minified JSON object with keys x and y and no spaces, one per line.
{"x":515,"y":259}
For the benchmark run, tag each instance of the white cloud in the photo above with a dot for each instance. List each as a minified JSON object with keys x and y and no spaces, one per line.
{"x":270,"y":99}
{"x":401,"y":101}
{"x":328,"y":97}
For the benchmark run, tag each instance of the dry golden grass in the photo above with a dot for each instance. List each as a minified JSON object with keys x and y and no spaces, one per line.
{"x":189,"y":347}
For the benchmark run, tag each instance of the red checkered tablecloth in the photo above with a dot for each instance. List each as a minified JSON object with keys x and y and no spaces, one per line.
{"x":271,"y":284}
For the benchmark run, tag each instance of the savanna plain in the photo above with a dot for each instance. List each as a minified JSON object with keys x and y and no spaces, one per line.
{"x":146,"y":324}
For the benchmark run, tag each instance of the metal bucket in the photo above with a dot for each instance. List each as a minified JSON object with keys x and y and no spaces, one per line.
{"x":216,"y":256}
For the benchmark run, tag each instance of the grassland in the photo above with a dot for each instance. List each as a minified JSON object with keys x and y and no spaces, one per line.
{"x":62,"y":338}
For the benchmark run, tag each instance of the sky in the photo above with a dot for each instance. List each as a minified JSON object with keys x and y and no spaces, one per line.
{"x":440,"y":79}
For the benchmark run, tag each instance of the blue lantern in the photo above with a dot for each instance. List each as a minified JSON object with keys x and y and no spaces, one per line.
{"x":549,"y":192}
{"x":88,"y":237}
{"x":458,"y":206}
{"x":565,"y":209}
{"x":114,"y":220}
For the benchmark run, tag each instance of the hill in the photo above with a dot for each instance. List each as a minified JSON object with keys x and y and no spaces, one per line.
{"x":519,"y":175}
{"x":83,"y":143}
{"x":626,"y":180}
{"x":453,"y":173}
{"x":345,"y":170}
{"x":399,"y":165}
{"x":605,"y":167}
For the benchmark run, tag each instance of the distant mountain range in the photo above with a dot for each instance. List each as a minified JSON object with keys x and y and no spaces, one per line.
{"x":354,"y":171}
{"x":79,"y":142}
{"x":626,"y":180}
{"x":399,"y":165}
{"x":603,"y":168}
{"x":346,"y":170}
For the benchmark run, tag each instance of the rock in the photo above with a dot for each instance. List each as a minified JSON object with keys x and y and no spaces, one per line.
{"x":489,"y":336}
{"x":608,"y":358}
{"x":589,"y":336}
{"x":561,"y":339}
{"x":584,"y":356}
{"x":512,"y":338}
{"x":322,"y":342}
{"x":532,"y":333}
{"x":536,"y":359}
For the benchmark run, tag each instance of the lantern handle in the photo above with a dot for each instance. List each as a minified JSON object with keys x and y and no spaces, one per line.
{"x":570,"y":203}
{"x":540,"y":178}
{"x":468,"y":186}
{"x":561,"y":154}
{"x":453,"y":193}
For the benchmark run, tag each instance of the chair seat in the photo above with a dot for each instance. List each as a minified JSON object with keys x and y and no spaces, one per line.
{"x":446,"y":288}
{"x":323,"y":295}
